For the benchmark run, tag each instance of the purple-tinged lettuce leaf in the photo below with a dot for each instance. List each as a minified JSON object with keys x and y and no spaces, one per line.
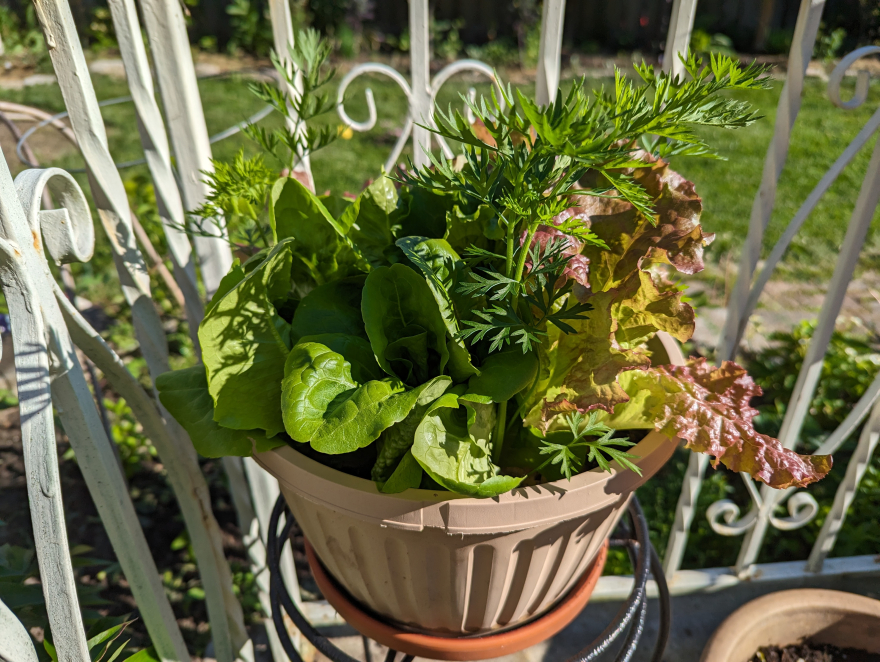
{"x":673,"y":235}
{"x":708,"y":407}
{"x":609,"y":342}
{"x":588,"y":362}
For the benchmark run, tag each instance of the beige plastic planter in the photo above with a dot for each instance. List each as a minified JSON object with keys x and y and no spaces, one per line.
{"x":840,"y":619}
{"x":448,"y":564}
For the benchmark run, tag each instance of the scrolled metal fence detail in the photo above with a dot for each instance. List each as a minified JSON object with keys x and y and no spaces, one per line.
{"x":410,"y":120}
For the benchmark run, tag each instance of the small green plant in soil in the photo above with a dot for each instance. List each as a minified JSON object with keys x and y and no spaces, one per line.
{"x":482,"y":323}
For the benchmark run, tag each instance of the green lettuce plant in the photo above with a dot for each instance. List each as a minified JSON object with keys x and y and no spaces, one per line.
{"x":486,"y":322}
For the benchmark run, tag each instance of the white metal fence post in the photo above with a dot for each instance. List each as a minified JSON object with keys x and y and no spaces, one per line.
{"x":549,"y":51}
{"x":420,"y":60}
{"x":283,"y":38}
{"x":15,"y":642}
{"x":107,"y":188}
{"x":811,"y":370}
{"x":678,"y":38}
{"x":112,"y":203}
{"x":69,"y":235}
{"x":185,"y":117}
{"x":846,"y":492}
{"x":158,"y":155}
{"x":29,"y":338}
{"x":804,"y":38}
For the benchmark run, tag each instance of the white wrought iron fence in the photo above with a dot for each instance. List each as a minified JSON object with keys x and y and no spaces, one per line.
{"x":46,"y":327}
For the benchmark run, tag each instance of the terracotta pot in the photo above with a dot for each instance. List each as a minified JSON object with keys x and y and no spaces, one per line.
{"x":444,"y":563}
{"x":790,"y":617}
{"x":460,"y":649}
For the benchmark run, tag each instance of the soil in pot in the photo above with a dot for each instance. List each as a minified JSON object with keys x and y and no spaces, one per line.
{"x":808,"y":652}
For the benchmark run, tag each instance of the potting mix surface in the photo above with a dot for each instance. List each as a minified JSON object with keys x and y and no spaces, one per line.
{"x":812,"y":653}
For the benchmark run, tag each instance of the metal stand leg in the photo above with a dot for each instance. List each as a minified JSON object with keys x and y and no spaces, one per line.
{"x":628,"y":623}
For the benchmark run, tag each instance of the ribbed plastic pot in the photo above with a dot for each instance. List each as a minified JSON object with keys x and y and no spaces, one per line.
{"x":448,"y":564}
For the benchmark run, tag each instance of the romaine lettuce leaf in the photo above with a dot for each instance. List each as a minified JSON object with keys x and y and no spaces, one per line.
{"x":404,"y":324}
{"x":442,"y":268}
{"x":184,"y":393}
{"x":398,"y":439}
{"x":322,"y":251}
{"x":504,"y":374}
{"x":355,"y":350}
{"x":245,"y":343}
{"x":408,"y":474}
{"x":367,"y":221}
{"x":475,"y":228}
{"x":452,"y":443}
{"x":422,"y":212}
{"x":331,"y":308}
{"x":232,"y":278}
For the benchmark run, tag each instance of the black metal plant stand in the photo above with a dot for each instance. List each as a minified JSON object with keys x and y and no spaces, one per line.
{"x":629,"y":622}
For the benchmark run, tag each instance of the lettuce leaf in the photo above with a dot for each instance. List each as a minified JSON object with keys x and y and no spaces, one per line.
{"x":477,"y":227}
{"x":442,"y":268}
{"x":324,"y":406}
{"x":398,"y":439}
{"x":245,"y":343}
{"x":708,"y":407}
{"x":503,"y":375}
{"x":331,"y":308}
{"x":408,"y":474}
{"x":422,"y":212}
{"x":673,"y":235}
{"x":641,"y":309}
{"x":609,"y":342}
{"x":404,"y":324}
{"x":368,"y":220}
{"x":322,"y":251}
{"x":452,"y":444}
{"x":184,"y":393}
{"x":356,"y":351}
{"x":578,"y":267}
{"x":232,"y":278}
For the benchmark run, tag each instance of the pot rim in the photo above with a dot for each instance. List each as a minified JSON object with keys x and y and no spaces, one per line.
{"x":521,"y":508}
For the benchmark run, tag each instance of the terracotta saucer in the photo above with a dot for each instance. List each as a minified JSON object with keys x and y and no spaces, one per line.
{"x":459,"y":648}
